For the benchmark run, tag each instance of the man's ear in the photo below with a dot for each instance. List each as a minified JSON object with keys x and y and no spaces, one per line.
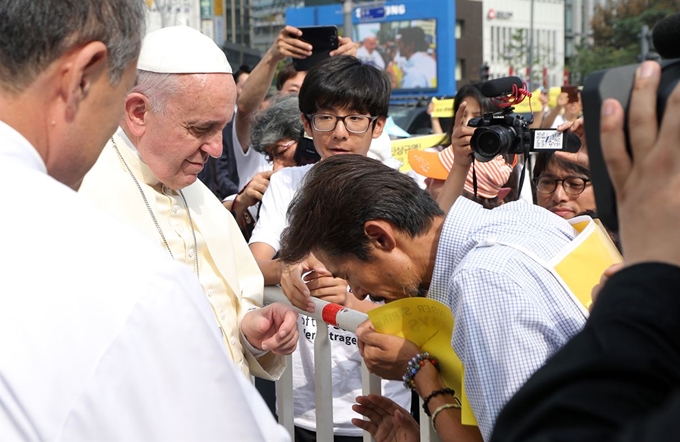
{"x":83,"y":69}
{"x":136,"y":112}
{"x":306,"y":124}
{"x":379,"y":126}
{"x":380,"y":235}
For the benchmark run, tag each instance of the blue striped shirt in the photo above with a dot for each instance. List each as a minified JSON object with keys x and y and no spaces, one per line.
{"x":510,"y":313}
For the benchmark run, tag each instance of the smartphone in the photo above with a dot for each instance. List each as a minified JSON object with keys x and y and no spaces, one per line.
{"x":572,"y":91}
{"x":551,"y":140}
{"x":306,"y":153}
{"x":323,"y":39}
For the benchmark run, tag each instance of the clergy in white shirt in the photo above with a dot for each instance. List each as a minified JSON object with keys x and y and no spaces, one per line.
{"x":102,"y":335}
{"x":146,"y":176}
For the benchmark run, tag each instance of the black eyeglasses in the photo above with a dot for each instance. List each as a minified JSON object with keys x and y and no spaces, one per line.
{"x":572,"y":185}
{"x":357,"y":124}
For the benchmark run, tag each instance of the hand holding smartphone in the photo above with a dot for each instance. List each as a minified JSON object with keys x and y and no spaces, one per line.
{"x":323,"y":39}
{"x":572,"y":91}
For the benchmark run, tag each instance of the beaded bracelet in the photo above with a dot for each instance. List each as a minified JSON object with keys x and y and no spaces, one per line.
{"x":441,"y":408}
{"x":415,"y":364}
{"x":436,"y":393}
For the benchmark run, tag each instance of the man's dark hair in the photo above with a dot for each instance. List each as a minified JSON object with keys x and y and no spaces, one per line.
{"x":339,"y":195}
{"x":285,"y":73}
{"x":35,"y":33}
{"x":545,"y":160}
{"x":416,"y":36}
{"x":243,"y":69}
{"x":343,"y":81}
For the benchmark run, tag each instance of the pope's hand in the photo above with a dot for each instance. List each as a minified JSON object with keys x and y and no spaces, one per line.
{"x":273,"y":328}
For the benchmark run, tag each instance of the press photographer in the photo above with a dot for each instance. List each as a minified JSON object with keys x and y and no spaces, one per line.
{"x":619,"y":379}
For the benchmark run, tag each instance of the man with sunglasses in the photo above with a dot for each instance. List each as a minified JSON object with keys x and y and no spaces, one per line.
{"x":343,"y":106}
{"x":562,"y":186}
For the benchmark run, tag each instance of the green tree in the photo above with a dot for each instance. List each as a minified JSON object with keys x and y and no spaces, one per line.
{"x":615,"y":39}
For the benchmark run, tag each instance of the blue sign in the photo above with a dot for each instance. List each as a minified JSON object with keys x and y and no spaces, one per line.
{"x":371,"y":13}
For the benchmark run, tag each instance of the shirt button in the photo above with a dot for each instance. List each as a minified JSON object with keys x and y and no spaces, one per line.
{"x":222,"y":317}
{"x":233,"y":341}
{"x":240,"y":366}
{"x":210,"y":292}
{"x":191,"y":253}
{"x":175,"y":209}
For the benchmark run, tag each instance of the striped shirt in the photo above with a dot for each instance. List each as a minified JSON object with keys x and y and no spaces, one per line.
{"x":510,"y":313}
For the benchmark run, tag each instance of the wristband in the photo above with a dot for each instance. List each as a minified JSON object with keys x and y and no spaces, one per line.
{"x":439,"y":409}
{"x":415,"y":364}
{"x":436,"y":393}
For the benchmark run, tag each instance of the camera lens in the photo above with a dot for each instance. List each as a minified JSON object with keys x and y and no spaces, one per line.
{"x":489,"y":142}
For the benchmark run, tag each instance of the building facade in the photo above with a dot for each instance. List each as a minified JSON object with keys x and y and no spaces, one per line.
{"x":507,"y":25}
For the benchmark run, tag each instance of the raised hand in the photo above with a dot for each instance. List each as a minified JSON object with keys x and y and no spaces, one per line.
{"x":648,"y":184}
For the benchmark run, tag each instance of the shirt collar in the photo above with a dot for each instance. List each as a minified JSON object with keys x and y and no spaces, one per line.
{"x":15,"y":146}
{"x":139,"y":168}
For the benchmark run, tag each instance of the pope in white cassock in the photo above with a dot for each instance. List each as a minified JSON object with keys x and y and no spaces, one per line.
{"x":146,"y":176}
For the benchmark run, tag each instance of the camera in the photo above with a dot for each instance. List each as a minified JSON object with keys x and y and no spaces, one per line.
{"x":616,"y":83}
{"x":499,"y":133}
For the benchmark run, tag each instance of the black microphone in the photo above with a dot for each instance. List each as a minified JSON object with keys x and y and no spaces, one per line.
{"x":500,"y":86}
{"x":666,"y":35}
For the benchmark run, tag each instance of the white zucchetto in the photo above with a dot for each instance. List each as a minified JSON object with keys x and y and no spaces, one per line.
{"x":181,"y":50}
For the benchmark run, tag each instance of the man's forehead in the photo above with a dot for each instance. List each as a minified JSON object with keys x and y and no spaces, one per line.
{"x":557,"y":172}
{"x":338,"y":110}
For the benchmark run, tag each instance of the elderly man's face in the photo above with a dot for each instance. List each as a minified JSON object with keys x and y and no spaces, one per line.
{"x":178,"y":141}
{"x":370,"y":43}
{"x":385,"y":277}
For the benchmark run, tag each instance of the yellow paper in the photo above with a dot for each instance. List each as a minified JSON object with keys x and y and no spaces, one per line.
{"x":428,"y":324}
{"x":401,"y":147}
{"x":442,"y":108}
{"x":584,"y":260}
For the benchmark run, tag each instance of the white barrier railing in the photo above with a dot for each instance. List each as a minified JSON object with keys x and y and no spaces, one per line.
{"x":347,"y":319}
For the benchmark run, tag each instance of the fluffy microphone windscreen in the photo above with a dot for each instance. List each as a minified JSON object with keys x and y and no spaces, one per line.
{"x":666,"y":35}
{"x":500,"y":86}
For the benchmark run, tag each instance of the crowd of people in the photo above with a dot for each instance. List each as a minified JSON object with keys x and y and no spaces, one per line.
{"x":152,"y":193}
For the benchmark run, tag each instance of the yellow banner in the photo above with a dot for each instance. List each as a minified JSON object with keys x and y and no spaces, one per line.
{"x":428,"y":324}
{"x":218,"y":7}
{"x":532,"y":104}
{"x":442,"y":108}
{"x":401,"y":147}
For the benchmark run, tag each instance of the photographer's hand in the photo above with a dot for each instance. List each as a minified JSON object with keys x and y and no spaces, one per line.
{"x":648,"y":187}
{"x":580,"y":157}
{"x":462,"y":153}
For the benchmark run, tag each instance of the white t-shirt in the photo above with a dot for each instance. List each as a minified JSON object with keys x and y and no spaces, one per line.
{"x":345,"y":358}
{"x":559,"y":120}
{"x":248,"y":164}
{"x":420,"y":71}
{"x":101,"y":333}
